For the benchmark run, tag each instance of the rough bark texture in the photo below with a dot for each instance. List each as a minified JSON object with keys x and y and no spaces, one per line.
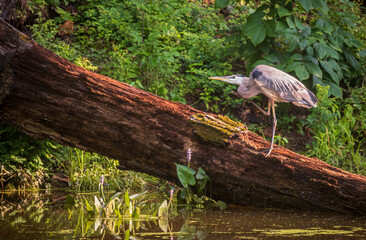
{"x":48,"y":97}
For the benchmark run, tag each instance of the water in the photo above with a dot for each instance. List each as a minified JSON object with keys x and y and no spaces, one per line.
{"x":42,"y":216}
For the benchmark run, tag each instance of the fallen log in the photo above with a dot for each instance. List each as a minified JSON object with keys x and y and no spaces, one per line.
{"x":47,"y":97}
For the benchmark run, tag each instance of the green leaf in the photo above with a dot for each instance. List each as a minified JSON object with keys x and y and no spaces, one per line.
{"x":306,"y":31}
{"x":306,"y":4}
{"x":321,"y":5}
{"x":335,"y":90}
{"x":317,"y":81}
{"x":127,"y":199}
{"x":301,"y":72}
{"x":298,"y":23}
{"x":291,"y":67}
{"x":202,"y":179}
{"x":185,"y":175}
{"x":320,"y":51}
{"x":282,"y":12}
{"x":89,"y":208}
{"x":270,"y":27}
{"x":314,"y":69}
{"x":320,"y":23}
{"x":310,"y":51}
{"x":290,"y":23}
{"x":329,"y":69}
{"x":351,"y":59}
{"x":255,"y":29}
{"x":281,"y":26}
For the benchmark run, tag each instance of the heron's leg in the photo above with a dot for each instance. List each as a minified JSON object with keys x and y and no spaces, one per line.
{"x":274,"y":125}
{"x":261,"y":109}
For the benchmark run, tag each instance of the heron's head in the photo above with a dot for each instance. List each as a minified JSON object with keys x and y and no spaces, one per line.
{"x":233,"y":79}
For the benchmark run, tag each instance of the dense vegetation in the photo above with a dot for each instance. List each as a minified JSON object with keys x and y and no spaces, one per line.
{"x":171,"y":47}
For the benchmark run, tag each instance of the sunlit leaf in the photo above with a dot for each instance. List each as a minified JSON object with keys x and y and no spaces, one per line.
{"x":127,"y":199}
{"x":282,"y":12}
{"x":290,"y":23}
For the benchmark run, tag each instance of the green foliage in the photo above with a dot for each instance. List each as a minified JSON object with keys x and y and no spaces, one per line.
{"x":166,"y":47}
{"x":339,"y":134}
{"x":315,"y":42}
{"x":22,"y":159}
{"x":190,"y":178}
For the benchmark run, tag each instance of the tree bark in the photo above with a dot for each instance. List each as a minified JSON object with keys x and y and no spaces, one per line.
{"x":48,"y":97}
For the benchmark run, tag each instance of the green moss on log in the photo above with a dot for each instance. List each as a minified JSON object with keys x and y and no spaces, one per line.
{"x":217,"y":130}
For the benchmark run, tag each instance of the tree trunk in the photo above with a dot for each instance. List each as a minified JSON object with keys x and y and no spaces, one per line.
{"x":48,"y":97}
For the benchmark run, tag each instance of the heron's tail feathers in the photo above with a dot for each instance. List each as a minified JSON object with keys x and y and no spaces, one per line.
{"x":305,"y":98}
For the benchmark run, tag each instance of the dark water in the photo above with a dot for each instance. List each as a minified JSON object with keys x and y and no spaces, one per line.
{"x":37,"y":216}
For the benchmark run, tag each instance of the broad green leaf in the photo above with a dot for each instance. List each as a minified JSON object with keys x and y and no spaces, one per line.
{"x":351,"y":59}
{"x":255,"y":29}
{"x":329,"y":69}
{"x":314,"y":69}
{"x":202,"y":179}
{"x":320,"y":23}
{"x":272,"y":58}
{"x":320,"y":51}
{"x":320,"y":5}
{"x":281,"y":26}
{"x":310,"y":51}
{"x":296,"y":57}
{"x":330,"y":52}
{"x":301,"y":72}
{"x":303,"y":44}
{"x":298,"y":23}
{"x":270,"y":27}
{"x":335,"y":90}
{"x":311,"y":59}
{"x":290,"y":23}
{"x":306,"y":4}
{"x":282,"y":12}
{"x":291,"y":67}
{"x":306,"y":31}
{"x":185,"y":175}
{"x":89,"y":208}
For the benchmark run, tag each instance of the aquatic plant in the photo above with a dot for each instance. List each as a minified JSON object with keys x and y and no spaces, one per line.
{"x":190,"y":178}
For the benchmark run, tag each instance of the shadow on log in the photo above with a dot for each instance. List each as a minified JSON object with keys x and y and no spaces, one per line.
{"x":48,"y":97}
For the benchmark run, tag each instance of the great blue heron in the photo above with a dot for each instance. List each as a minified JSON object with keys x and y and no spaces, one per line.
{"x":276,"y":85}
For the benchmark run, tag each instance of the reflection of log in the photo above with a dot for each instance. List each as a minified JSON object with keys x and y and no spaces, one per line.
{"x":46,"y":96}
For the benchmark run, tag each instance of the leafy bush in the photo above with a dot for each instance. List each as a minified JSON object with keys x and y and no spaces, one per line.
{"x":22,"y":159}
{"x":339,"y":131}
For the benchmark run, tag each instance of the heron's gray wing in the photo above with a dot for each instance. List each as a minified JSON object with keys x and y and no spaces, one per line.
{"x":282,"y":87}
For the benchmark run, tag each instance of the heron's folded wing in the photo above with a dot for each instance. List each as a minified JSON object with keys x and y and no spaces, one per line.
{"x":282,"y":87}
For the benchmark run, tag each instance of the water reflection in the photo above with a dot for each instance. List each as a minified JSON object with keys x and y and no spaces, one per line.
{"x":28,"y":215}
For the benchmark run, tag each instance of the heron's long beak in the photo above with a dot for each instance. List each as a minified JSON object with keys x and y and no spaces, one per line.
{"x":230,"y":79}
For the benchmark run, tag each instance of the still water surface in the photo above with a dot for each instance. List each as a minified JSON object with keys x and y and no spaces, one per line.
{"x":45,"y":217}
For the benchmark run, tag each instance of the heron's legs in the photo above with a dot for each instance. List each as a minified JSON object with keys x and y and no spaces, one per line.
{"x":261,"y":109}
{"x":271,"y":102}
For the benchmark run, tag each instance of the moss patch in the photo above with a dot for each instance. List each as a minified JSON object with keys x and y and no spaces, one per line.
{"x":217,"y":130}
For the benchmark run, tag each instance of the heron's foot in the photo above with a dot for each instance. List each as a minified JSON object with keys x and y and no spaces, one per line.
{"x":268,"y":151}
